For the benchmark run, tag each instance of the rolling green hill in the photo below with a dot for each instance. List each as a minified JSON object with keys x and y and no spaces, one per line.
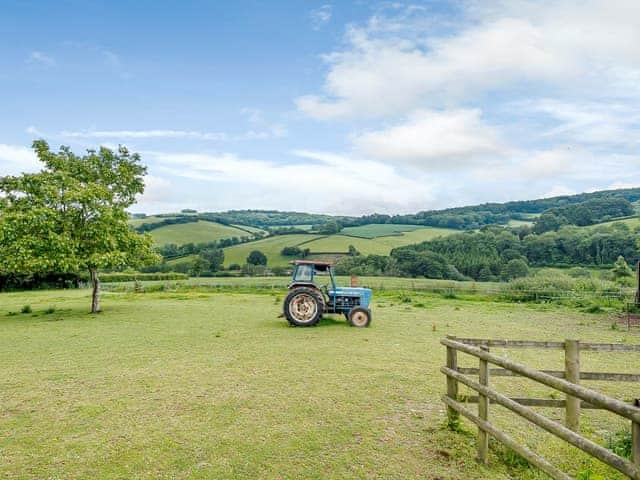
{"x":270,"y":246}
{"x":631,"y":222}
{"x":379,"y":230}
{"x":332,"y":244}
{"x":196,"y":232}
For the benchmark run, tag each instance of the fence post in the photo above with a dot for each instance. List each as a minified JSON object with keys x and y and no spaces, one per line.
{"x":453,"y":417}
{"x":572,"y":374}
{"x":635,"y":437}
{"x":483,"y":410}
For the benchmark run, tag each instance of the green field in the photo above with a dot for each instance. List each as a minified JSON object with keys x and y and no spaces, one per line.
{"x":191,"y":384}
{"x":378,"y":246}
{"x":196,"y":232}
{"x":632,"y":222}
{"x":136,"y":222}
{"x":379,"y":230}
{"x":271,"y":247}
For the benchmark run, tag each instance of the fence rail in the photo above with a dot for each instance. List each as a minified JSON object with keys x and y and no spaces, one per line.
{"x":567,"y":382}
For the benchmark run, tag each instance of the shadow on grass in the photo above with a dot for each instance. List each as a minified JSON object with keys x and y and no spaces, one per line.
{"x":325,"y":322}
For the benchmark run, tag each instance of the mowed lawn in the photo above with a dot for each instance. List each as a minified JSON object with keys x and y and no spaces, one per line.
{"x":214,"y":385}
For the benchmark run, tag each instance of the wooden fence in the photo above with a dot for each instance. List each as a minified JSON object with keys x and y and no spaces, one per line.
{"x":565,"y":381}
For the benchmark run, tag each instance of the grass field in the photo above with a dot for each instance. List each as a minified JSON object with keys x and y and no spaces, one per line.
{"x":195,"y":232}
{"x":379,"y":230}
{"x":378,"y":246}
{"x":271,"y":247}
{"x":633,"y":222}
{"x":212,"y":385}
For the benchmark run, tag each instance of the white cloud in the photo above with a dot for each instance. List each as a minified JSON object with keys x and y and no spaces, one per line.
{"x":318,"y":181}
{"x":588,"y":122}
{"x":40,"y":58}
{"x":320,"y":16}
{"x":217,"y":136}
{"x":15,"y":159}
{"x":578,"y":46}
{"x":433,"y":139}
{"x":272,"y":131}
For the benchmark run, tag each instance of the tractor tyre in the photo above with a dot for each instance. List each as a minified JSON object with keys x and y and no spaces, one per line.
{"x":359,"y":317}
{"x":303,"y":307}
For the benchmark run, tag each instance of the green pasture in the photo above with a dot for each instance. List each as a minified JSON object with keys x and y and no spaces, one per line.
{"x":270,"y":246}
{"x":632,"y":223}
{"x":198,"y":384}
{"x":379,"y":230}
{"x":195,"y":232}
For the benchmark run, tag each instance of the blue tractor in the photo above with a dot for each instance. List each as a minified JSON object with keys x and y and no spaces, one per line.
{"x":307,"y":300}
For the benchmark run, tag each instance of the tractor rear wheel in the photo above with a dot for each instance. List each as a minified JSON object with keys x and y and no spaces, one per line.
{"x":303,"y":307}
{"x":359,"y":317}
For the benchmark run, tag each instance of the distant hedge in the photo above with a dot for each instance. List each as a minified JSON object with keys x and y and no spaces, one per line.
{"x":133,"y":276}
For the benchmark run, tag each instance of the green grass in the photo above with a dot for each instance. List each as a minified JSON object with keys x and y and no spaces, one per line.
{"x":190,"y":384}
{"x":376,"y":246}
{"x":249,"y":229}
{"x":271,"y":247}
{"x":181,"y":260}
{"x":136,"y":222}
{"x":632,"y":222}
{"x":519,"y":223}
{"x":196,"y":232}
{"x":380,"y":230}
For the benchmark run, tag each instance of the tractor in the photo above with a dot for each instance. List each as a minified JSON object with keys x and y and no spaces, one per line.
{"x":307,"y":301}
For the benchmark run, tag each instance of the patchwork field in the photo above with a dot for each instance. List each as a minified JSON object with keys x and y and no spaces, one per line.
{"x":192,"y":384}
{"x":196,"y":232}
{"x":379,"y":230}
{"x":380,"y":245}
{"x":271,"y":247}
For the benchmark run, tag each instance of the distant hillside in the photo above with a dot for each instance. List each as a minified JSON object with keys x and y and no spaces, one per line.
{"x":460,"y":218}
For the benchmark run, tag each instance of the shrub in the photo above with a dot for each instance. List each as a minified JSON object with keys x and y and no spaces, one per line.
{"x":256,"y":257}
{"x":620,"y":443}
{"x":26,"y":309}
{"x":49,"y":311}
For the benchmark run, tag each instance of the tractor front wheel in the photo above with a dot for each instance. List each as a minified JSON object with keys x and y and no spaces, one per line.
{"x":359,"y":317}
{"x":303,"y":307}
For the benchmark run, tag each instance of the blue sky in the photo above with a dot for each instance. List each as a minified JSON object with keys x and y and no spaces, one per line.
{"x":345,"y":107}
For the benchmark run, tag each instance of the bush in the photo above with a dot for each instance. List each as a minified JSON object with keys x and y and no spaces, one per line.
{"x":548,"y":286}
{"x":620,"y":443}
{"x":50,"y":310}
{"x":256,"y":257}
{"x":26,"y":309}
{"x":515,"y":268}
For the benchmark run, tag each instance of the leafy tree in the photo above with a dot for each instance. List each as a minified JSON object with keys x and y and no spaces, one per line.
{"x":485,"y":274}
{"x":353,"y":252}
{"x":214,"y":258}
{"x":621,"y":268}
{"x":256,"y":257}
{"x":199,"y":265}
{"x":72,"y":216}
{"x":330,"y":228}
{"x":290,"y":251}
{"x":515,"y":268}
{"x":549,"y":222}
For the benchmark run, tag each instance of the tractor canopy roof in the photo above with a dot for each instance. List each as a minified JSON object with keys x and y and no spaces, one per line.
{"x":318,"y":265}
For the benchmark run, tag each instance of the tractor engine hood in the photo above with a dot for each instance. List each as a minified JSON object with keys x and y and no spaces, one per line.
{"x":363,"y":293}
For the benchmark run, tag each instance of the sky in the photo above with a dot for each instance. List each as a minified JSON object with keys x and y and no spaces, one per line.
{"x":349,"y":107}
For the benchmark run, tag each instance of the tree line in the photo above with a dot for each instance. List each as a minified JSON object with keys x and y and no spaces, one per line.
{"x":496,"y":253}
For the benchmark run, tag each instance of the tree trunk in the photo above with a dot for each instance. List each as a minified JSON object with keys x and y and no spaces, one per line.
{"x":95,"y":294}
